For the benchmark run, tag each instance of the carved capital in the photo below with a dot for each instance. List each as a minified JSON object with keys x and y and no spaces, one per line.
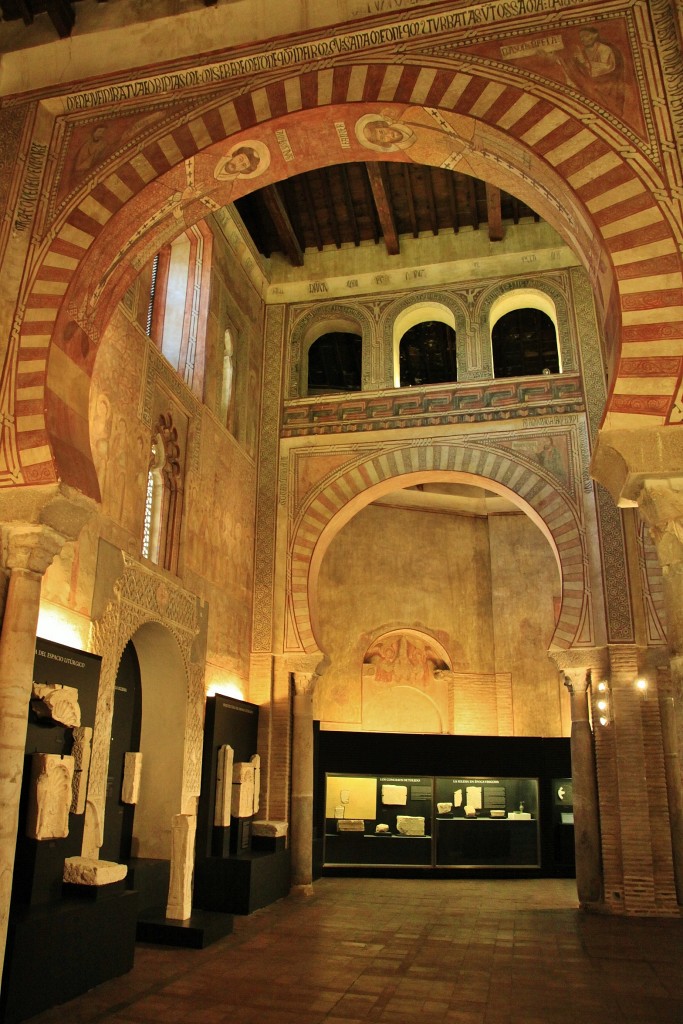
{"x":577,"y":680}
{"x":624,"y":460}
{"x":577,"y":660}
{"x":30,"y":548}
{"x":304,"y":682}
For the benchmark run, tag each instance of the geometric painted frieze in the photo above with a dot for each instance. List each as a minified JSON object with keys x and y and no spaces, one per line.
{"x":434,"y":406}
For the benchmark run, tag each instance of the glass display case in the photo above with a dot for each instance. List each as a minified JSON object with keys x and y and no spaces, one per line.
{"x":423,"y":821}
{"x":378,"y":820}
{"x":486,"y":823}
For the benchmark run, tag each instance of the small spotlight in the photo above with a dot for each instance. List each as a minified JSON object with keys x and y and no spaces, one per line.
{"x":641,"y":685}
{"x":602,"y":686}
{"x":602,"y":705}
{"x":604,"y":720}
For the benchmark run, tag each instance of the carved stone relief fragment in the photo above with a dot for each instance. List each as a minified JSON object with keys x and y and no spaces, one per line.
{"x":60,"y":703}
{"x":80,"y":752}
{"x":49,"y":796}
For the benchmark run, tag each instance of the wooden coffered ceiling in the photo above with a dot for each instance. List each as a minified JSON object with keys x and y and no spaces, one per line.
{"x":381,"y":203}
{"x":62,"y":13}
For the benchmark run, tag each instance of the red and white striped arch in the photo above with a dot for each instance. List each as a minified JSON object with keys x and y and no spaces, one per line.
{"x":608,"y":212}
{"x":335,"y":504}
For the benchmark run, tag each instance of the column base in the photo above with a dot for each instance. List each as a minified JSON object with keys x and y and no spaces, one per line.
{"x":301,"y":890}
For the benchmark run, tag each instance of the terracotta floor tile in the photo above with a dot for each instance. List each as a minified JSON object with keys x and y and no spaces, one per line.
{"x":397,"y":951}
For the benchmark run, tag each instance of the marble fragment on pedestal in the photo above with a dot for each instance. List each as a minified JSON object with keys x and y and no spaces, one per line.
{"x":339,"y":811}
{"x":183,"y":831}
{"x":132,"y":774}
{"x":221,"y":809}
{"x":381,"y":829}
{"x":394,"y":796}
{"x":88,"y":871}
{"x":350,"y":825}
{"x":242,"y":800}
{"x":49,"y":796}
{"x":60,"y":703}
{"x":272,"y":829}
{"x":408,"y":825}
{"x":81,"y":750}
{"x":255,"y":760}
{"x":444,"y":808}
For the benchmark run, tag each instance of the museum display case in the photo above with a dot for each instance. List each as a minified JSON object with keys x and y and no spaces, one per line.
{"x":378,"y":820}
{"x":427,"y":821}
{"x":487,"y":822}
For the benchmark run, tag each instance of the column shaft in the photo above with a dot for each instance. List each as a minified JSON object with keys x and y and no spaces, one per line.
{"x":586,"y":813}
{"x":302,"y":792}
{"x":17,"y":654}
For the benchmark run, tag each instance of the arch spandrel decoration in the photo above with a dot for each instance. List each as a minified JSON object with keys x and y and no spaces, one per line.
{"x":559,"y":516}
{"x":565,"y":161}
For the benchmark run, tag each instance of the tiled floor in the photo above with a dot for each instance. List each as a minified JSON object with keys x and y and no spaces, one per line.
{"x":404,"y":951}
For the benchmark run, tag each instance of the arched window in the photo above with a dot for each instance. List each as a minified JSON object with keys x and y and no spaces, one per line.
{"x":163,"y":500}
{"x":524,"y":343}
{"x":427,"y":354}
{"x":179,"y":302}
{"x":335,"y":363}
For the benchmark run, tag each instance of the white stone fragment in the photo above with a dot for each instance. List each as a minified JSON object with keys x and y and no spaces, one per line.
{"x":407,"y":825}
{"x":274,"y":829}
{"x":49,"y":796}
{"x":183,"y":831}
{"x":394,"y":796}
{"x":256,"y":761}
{"x":132,"y":774}
{"x":88,"y":871}
{"x":60,"y":703}
{"x":444,"y":808}
{"x":81,"y":750}
{"x":242,"y":802}
{"x":224,"y":763}
{"x":350,"y":825}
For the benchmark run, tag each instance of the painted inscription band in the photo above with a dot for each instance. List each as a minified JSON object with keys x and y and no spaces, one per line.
{"x":322,"y":49}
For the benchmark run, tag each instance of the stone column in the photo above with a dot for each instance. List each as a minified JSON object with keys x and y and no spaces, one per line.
{"x":586,"y":812}
{"x":302,"y":783}
{"x":28,"y":551}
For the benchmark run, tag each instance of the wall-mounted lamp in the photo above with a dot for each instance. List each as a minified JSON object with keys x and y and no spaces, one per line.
{"x":641,"y":686}
{"x":603,"y":703}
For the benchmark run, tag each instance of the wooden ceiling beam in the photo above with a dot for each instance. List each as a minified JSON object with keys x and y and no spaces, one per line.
{"x":350,"y":207}
{"x":380,"y":194}
{"x":431,"y":202}
{"x":370,"y":200}
{"x":331,"y":207}
{"x":408,"y":189}
{"x":311,"y":207}
{"x":472,"y":202}
{"x":494,"y":214}
{"x":62,"y":16}
{"x":453,"y":202}
{"x":283,"y":226}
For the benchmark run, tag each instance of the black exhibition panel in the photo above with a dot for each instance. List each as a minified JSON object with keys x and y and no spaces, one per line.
{"x":497,"y":806}
{"x":235,"y":872}
{"x":89,"y":935}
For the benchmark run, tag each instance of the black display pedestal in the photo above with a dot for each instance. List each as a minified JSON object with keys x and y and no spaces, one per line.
{"x":200,"y":930}
{"x":240,"y":885}
{"x":57,"y":951}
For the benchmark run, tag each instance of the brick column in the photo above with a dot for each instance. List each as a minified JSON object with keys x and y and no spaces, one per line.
{"x":641,"y":792}
{"x":302,"y":783}
{"x":661,"y":506}
{"x":28,"y":551}
{"x":586,"y":812}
